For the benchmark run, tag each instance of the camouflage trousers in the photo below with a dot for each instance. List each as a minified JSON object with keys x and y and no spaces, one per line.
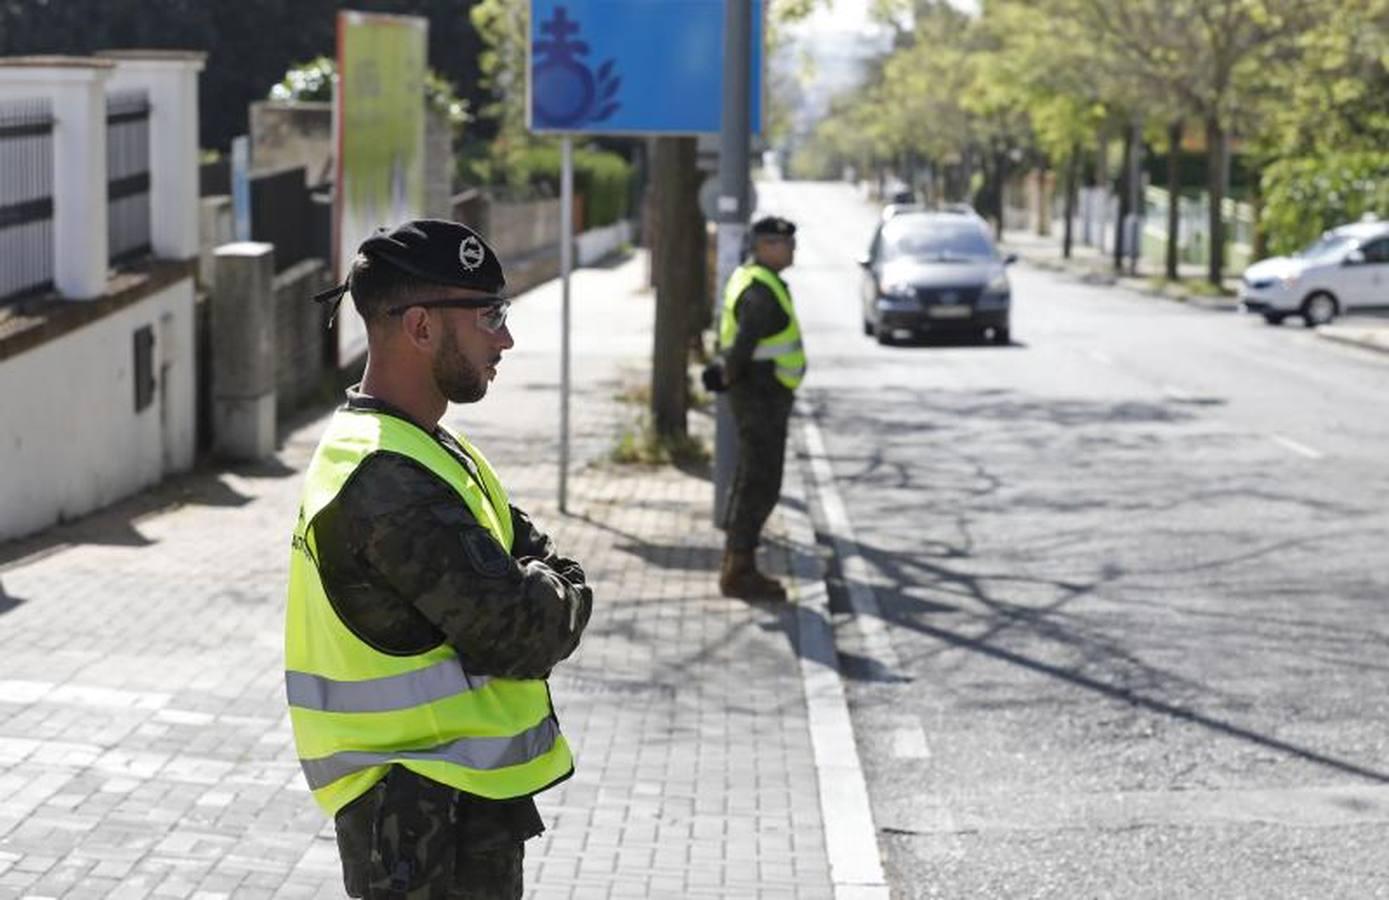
{"x":402,"y":840}
{"x":762,"y":413}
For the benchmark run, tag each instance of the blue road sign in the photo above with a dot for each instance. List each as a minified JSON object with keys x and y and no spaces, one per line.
{"x":632,"y":66}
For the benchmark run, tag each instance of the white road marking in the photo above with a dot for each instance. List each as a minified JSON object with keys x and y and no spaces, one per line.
{"x":1100,"y":357}
{"x":851,"y":837}
{"x":868,"y":618}
{"x":910,"y":743}
{"x":1295,"y":447}
{"x":874,"y":638}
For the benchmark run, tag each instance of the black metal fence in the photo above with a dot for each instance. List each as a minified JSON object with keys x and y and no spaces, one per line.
{"x":214,"y":178}
{"x":26,"y":198}
{"x":128,"y":175}
{"x":283,"y":213}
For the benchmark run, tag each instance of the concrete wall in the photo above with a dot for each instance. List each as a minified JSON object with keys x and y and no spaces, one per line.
{"x":597,"y":244}
{"x":438,"y":165}
{"x":293,"y":134}
{"x":517,"y":230}
{"x":215,"y":227}
{"x":71,"y":440}
{"x":299,"y":335}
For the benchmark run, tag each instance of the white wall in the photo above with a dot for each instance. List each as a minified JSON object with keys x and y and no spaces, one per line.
{"x":70,"y":439}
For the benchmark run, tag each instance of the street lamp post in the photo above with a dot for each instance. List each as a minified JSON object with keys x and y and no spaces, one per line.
{"x":732,"y":213}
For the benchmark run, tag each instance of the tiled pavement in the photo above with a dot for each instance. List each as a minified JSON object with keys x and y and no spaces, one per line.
{"x":144,"y":745}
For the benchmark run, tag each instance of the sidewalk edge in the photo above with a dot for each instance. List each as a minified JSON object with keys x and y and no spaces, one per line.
{"x":1339,"y":336}
{"x":851,"y":837}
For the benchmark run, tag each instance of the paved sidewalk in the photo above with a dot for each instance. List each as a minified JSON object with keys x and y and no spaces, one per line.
{"x":1366,"y":332}
{"x":144,"y":745}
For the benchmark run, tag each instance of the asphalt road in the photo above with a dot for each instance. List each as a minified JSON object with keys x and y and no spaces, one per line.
{"x":1135,"y":571}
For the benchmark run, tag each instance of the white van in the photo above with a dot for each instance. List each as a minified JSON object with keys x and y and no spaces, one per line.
{"x":1347,"y":269}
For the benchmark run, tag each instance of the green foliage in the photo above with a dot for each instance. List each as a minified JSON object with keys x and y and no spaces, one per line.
{"x":313,"y":82}
{"x":307,"y":82}
{"x":1191,"y":172}
{"x":1303,"y":197}
{"x":531,"y":168}
{"x":1334,"y":96}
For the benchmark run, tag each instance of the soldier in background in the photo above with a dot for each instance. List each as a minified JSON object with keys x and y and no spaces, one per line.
{"x":425,"y":611}
{"x":763,"y":362}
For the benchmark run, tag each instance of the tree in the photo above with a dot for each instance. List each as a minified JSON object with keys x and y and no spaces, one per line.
{"x":1210,"y":55}
{"x":678,"y":266}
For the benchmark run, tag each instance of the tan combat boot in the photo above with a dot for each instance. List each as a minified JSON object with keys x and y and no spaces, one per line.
{"x":740,"y":578}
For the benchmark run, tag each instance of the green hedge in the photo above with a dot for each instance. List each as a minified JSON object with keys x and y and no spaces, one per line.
{"x":1304,"y":197}
{"x":602,"y":177}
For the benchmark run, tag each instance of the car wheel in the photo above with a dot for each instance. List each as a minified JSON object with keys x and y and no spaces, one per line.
{"x":1274,"y":318}
{"x":1318,"y":309}
{"x":884,"y":336}
{"x":867,"y":327}
{"x":1002,"y":336}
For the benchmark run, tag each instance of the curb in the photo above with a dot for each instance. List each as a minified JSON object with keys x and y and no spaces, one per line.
{"x":1373,"y":339}
{"x":851,"y":837}
{"x":1136,"y":285}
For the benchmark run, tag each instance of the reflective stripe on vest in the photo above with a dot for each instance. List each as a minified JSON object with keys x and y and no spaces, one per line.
{"x":443,"y":679}
{"x":784,"y":348}
{"x":474,"y":753}
{"x":355,"y":710}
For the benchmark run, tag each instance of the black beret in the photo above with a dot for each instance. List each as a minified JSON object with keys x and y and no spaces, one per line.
{"x":773,"y":226}
{"x":442,"y":252}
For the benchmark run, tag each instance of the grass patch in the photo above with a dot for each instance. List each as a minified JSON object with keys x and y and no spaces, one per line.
{"x":1191,"y":287}
{"x":639,"y":444}
{"x":637,"y":393}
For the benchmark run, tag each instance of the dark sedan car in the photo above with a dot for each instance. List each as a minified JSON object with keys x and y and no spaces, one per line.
{"x":931,"y":272}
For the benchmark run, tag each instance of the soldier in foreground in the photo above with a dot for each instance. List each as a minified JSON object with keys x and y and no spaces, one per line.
{"x":425,"y":611}
{"x":763,"y":363}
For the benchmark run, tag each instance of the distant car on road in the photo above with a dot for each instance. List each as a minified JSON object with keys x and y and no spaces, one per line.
{"x":1346,"y":269}
{"x":931,"y":272}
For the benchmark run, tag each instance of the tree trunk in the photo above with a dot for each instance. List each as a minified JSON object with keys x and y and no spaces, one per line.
{"x":1096,"y":227}
{"x":1000,"y":173}
{"x":1259,"y":249}
{"x":1174,"y":196}
{"x":1124,"y":191}
{"x":673,"y":171}
{"x":1072,"y":176}
{"x":1215,"y":186}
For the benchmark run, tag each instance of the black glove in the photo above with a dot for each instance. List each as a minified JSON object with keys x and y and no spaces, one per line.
{"x":712,"y":377}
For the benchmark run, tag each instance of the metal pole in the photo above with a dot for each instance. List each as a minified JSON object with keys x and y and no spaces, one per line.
{"x":566,"y":263}
{"x":733,"y":214}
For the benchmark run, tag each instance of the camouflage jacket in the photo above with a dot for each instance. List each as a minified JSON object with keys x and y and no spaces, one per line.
{"x":407,"y":566}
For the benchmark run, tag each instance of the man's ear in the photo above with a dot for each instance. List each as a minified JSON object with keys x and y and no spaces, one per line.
{"x":417,"y":326}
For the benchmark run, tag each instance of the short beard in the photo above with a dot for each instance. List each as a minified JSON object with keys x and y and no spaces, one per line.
{"x":458,"y":380}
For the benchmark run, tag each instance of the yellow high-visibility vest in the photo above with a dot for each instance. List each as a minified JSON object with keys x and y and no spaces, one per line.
{"x":355,"y":710}
{"x":784,"y":349}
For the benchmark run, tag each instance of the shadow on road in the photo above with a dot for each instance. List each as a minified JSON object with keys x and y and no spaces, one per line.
{"x":1011,"y":602}
{"x":7,"y":602}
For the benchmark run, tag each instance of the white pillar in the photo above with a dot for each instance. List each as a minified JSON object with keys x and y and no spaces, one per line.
{"x":77,"y":89}
{"x":170,"y":78}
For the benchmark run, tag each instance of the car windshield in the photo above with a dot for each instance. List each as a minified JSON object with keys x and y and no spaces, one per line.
{"x":935,"y":241}
{"x":1329,"y":246}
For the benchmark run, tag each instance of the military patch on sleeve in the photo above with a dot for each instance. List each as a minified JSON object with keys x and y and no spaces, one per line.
{"x":486,"y":555}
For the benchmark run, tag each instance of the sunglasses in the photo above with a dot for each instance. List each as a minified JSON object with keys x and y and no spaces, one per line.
{"x":491,"y":316}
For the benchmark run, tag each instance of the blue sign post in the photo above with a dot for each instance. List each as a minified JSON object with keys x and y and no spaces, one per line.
{"x":640,"y":67}
{"x":635,"y":67}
